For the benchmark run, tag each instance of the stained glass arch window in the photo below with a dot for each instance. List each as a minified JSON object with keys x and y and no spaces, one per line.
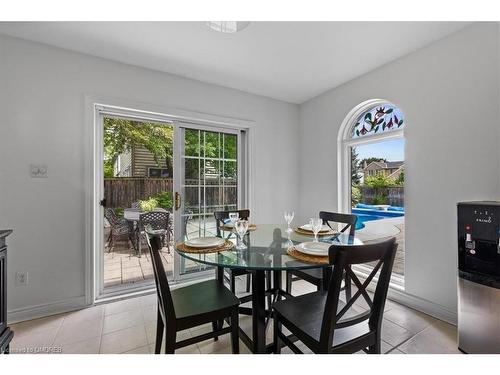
{"x":378,"y":120}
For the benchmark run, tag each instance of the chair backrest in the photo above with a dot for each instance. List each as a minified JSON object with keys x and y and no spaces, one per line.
{"x":165,"y":302}
{"x":110,"y":215}
{"x":343,"y":257}
{"x":220,"y":216}
{"x":135,"y":204}
{"x":155,"y":219}
{"x":348,"y":219}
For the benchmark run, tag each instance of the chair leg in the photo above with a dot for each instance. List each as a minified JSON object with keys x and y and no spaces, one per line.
{"x":170,"y":337}
{"x":288,"y":287}
{"x":276,"y":338}
{"x":159,"y":333}
{"x":215,"y":327}
{"x":375,"y":349}
{"x":248,"y":282}
{"x":348,"y":290}
{"x":268,"y":287}
{"x":233,"y":283}
{"x":235,"y":332}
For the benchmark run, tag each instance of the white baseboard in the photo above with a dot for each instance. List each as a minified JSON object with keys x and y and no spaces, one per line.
{"x":420,"y":304}
{"x":40,"y":311}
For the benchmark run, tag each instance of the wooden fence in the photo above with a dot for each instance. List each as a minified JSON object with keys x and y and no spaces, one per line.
{"x":395,"y":196}
{"x":122,"y":191}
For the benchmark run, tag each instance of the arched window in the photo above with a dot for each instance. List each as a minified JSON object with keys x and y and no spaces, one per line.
{"x":378,"y":120}
{"x":371,"y":170}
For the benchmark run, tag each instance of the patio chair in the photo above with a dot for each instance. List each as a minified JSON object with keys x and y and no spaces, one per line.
{"x":191,"y":306}
{"x":323,"y":322}
{"x":315,"y":275}
{"x":135,"y":205}
{"x":119,"y":227}
{"x":156,"y":220}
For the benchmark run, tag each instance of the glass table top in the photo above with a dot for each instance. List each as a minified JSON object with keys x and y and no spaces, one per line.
{"x":266,"y":249}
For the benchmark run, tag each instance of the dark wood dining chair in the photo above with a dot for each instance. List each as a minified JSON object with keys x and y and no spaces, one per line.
{"x":221,"y":218}
{"x":315,"y":275}
{"x":191,"y":306}
{"x":323,"y":322}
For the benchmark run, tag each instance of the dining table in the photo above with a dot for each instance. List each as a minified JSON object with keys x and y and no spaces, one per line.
{"x":265,"y":253}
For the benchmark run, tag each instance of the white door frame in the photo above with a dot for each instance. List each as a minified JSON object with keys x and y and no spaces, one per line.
{"x":95,"y":108}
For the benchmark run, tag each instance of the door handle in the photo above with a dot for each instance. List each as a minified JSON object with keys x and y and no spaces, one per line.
{"x":177,"y":201}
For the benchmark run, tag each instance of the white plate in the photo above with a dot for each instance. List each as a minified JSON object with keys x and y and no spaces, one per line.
{"x":205,"y":242}
{"x":313,"y":248}
{"x":308,"y":227}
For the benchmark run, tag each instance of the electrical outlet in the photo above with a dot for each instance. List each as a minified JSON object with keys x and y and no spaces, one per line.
{"x":38,"y":171}
{"x":21,"y":278}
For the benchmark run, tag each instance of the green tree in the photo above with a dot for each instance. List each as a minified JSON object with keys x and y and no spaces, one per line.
{"x":120,"y":135}
{"x":355,"y":167}
{"x":379,"y":183}
{"x":401,"y":179}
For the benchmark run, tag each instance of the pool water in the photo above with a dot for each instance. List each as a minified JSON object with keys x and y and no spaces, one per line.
{"x":366,"y":212}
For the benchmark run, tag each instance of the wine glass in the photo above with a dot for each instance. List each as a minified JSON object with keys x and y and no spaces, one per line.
{"x":316,"y":225}
{"x":288,"y":218}
{"x":241,"y":228}
{"x":233,"y":217}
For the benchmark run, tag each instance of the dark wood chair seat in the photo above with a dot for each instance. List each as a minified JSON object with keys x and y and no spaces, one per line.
{"x":325,"y":323}
{"x":306,"y":313}
{"x":202,"y":303}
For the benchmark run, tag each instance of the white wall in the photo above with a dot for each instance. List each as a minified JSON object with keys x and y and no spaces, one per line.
{"x":42,"y":121}
{"x":448,"y":92}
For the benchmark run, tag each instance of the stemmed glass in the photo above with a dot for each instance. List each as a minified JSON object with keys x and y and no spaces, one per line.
{"x":288,"y":218}
{"x":241,"y":228}
{"x":316,"y":225}
{"x":233,"y":217}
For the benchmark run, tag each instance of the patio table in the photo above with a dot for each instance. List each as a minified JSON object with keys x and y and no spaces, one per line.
{"x":266,"y":251}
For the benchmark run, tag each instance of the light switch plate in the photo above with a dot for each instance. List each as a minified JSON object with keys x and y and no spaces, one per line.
{"x":38,"y":171}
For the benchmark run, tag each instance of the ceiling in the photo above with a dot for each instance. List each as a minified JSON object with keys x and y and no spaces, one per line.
{"x":290,"y":61}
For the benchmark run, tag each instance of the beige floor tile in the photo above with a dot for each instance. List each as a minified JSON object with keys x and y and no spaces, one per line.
{"x":90,"y":346}
{"x":149,"y":313}
{"x":38,"y":325}
{"x":414,"y":321}
{"x":439,"y":338}
{"x":124,"y":340}
{"x":39,"y":341}
{"x":90,"y":313}
{"x":148,"y":300}
{"x":394,"y":334}
{"x":142,"y":350}
{"x":396,"y":351}
{"x":72,"y":331}
{"x":126,"y":319}
{"x":121,"y":306}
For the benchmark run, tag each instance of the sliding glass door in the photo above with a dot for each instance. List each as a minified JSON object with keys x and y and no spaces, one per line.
{"x":184,"y":172}
{"x":209,"y":167}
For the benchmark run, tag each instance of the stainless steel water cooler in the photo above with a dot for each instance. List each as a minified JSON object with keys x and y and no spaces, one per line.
{"x":479,"y":277}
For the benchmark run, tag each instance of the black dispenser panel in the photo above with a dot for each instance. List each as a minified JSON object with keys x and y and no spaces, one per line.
{"x":478,"y":241}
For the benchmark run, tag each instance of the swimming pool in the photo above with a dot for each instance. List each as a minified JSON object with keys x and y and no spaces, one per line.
{"x":366,"y":212}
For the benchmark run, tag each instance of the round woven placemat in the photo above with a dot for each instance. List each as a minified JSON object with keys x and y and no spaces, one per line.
{"x":227,"y":245}
{"x":307,"y":233}
{"x":251,"y":228}
{"x":306,"y":258}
